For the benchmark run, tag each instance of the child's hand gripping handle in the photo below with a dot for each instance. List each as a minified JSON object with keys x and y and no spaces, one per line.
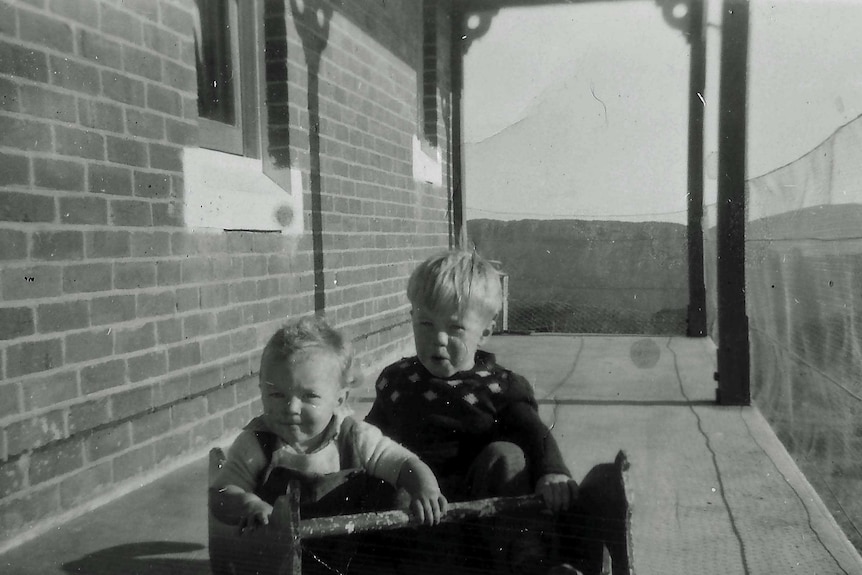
{"x":398,"y":519}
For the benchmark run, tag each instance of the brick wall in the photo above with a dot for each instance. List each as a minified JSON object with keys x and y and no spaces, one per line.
{"x":128,"y":344}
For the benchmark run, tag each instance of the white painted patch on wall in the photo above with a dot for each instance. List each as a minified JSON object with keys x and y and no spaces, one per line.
{"x":425,"y":167}
{"x":228,"y":192}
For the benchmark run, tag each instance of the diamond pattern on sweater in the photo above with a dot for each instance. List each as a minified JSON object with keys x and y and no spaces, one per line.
{"x":462,"y":412}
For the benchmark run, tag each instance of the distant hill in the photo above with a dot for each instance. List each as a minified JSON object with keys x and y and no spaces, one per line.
{"x":575,"y":151}
{"x":590,"y":276}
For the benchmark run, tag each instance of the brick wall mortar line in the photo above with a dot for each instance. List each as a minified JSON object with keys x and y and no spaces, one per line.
{"x":376,"y":107}
{"x":40,"y":192}
{"x":110,"y":164}
{"x":95,"y":99}
{"x":43,"y":227}
{"x":77,"y":366}
{"x":359,"y":267}
{"x":361,"y":41}
{"x":374,"y":298}
{"x":383,"y":329}
{"x":62,"y":226}
{"x":377,"y":185}
{"x":37,"y":154}
{"x":78,"y":126}
{"x":116,"y":422}
{"x":76,"y":25}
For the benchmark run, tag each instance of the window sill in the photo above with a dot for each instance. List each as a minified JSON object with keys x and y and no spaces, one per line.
{"x":228,"y":192}
{"x":425,"y":167}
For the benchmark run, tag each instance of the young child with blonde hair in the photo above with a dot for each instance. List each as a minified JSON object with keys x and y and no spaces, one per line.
{"x":474,"y":422}
{"x":306,"y":433}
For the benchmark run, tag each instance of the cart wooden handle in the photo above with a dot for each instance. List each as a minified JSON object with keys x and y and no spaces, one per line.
{"x":291,"y":529}
{"x":398,"y":519}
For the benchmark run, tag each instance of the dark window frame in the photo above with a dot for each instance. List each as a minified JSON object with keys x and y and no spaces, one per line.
{"x":427,"y":78}
{"x":245,"y":33}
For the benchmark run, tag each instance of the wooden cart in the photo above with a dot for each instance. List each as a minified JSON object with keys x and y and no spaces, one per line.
{"x":232,"y":554}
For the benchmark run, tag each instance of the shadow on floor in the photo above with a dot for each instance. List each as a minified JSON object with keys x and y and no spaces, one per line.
{"x":139,"y":558}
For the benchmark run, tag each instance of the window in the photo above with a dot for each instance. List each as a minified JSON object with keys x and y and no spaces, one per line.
{"x":218,"y":51}
{"x":228,"y":64}
{"x":428,"y":79}
{"x":427,"y":156}
{"x":238,"y":179}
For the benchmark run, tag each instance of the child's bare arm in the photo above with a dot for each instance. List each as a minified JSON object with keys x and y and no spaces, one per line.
{"x":235,"y":506}
{"x":232,"y":499}
{"x":427,"y":501}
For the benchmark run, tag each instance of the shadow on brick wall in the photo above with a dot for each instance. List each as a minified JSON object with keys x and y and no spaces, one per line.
{"x":312,"y":22}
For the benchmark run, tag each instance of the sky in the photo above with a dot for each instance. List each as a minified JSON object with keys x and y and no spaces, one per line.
{"x":625,"y":73}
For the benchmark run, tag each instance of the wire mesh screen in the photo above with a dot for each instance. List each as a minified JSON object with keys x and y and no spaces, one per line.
{"x":576,"y":276}
{"x":803,"y":280}
{"x":562,"y":317}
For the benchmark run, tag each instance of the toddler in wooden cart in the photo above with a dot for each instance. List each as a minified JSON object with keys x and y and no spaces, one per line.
{"x":476,"y":424}
{"x":307,"y":434}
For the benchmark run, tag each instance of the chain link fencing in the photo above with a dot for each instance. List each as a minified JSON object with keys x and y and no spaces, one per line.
{"x":804,"y":304}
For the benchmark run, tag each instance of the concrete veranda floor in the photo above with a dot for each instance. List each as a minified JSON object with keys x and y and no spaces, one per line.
{"x":713,"y":490}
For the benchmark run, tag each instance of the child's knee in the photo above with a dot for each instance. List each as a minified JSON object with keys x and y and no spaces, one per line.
{"x":503,"y":455}
{"x":500,"y":469}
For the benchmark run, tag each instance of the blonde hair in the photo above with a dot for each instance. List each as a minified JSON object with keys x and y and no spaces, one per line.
{"x":312,"y":333}
{"x":456,"y":280}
